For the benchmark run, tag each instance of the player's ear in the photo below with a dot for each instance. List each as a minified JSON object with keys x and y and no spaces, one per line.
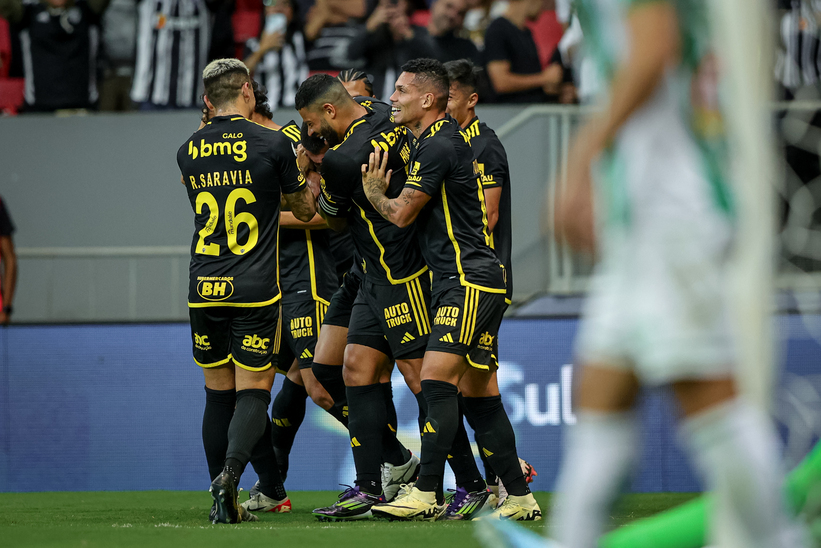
{"x":427,"y":100}
{"x":473,"y":99}
{"x":208,"y":103}
{"x":330,"y":110}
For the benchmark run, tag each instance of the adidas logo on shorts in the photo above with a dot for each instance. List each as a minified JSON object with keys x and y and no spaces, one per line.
{"x":446,"y":338}
{"x":306,"y":354}
{"x":408,"y":338}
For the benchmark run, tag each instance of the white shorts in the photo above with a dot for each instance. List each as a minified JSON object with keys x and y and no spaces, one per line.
{"x":658,"y":302}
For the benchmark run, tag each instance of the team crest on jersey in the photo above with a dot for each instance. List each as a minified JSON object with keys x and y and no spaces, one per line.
{"x":413,"y":173}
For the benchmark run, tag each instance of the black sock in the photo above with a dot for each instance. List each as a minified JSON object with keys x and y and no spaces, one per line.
{"x":330,"y":377}
{"x":490,"y":475}
{"x":264,"y":461}
{"x":366,"y":425}
{"x":423,"y":410}
{"x":287,"y":413}
{"x":497,"y":441}
{"x":462,"y":463}
{"x":392,"y":449}
{"x":246,"y":428}
{"x":219,"y":409}
{"x":438,"y":433}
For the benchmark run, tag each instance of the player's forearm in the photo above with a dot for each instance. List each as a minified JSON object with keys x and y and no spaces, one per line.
{"x":302,"y":204}
{"x":337,"y":224}
{"x":288,"y":220}
{"x":654,"y":35}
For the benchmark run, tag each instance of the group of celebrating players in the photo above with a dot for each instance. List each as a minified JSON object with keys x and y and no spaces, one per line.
{"x":415,"y":271}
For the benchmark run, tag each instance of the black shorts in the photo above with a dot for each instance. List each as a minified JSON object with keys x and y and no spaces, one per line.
{"x":300,"y":330}
{"x":339,"y":310}
{"x":466,"y":322}
{"x":395,"y":317}
{"x":248,"y":336}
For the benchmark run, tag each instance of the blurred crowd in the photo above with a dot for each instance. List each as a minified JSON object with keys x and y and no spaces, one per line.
{"x":116,"y":55}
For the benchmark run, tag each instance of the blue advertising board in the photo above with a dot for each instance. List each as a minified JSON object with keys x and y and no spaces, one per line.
{"x":119,"y":407}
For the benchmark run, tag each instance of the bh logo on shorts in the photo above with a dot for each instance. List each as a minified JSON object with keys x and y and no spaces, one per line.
{"x":255,"y":343}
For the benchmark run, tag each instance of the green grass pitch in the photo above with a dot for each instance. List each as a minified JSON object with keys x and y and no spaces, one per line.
{"x":179,"y":519}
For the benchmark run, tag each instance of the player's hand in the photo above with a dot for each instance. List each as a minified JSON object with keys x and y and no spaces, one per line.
{"x":314,"y":181}
{"x":303,"y":162}
{"x":375,"y":178}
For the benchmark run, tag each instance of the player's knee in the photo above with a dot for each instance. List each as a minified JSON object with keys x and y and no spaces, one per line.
{"x":362,"y":366}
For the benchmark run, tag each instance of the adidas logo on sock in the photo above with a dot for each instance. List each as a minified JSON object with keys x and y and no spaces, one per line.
{"x":486,"y":452}
{"x":407,"y":338}
{"x":428,"y":429}
{"x":355,"y":443}
{"x":446,"y":338}
{"x":306,"y":354}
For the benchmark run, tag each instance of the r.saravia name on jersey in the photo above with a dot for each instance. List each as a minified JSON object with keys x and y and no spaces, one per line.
{"x":233,"y":177}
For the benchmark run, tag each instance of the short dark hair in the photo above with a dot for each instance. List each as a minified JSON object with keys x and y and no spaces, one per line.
{"x":312,"y":143}
{"x":318,"y":87}
{"x":261,"y":97}
{"x":464,"y":73}
{"x":352,"y":75}
{"x":430,"y":72}
{"x":223,"y":79}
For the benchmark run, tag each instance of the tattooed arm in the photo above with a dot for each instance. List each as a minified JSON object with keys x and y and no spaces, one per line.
{"x":302,"y":203}
{"x":401,"y":211}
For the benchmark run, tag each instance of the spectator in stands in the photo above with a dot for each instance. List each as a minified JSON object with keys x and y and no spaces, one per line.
{"x":58,"y":40}
{"x":446,"y":22}
{"x":119,"y":54}
{"x":512,"y":58}
{"x":172,"y":49}
{"x":277,"y":58}
{"x":8,"y":279}
{"x":389,"y":40}
{"x":479,"y":15}
{"x":330,"y":27}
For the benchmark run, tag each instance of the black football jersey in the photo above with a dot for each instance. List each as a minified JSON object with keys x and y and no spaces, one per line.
{"x":307,"y":269}
{"x":491,"y":161}
{"x":452,"y":226}
{"x":235,"y":171}
{"x":388,"y":254}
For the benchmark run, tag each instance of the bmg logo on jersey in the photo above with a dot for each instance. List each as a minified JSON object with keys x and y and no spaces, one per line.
{"x":397,"y":314}
{"x":204,"y":150}
{"x":215,"y":289}
{"x":255,"y":343}
{"x":201,"y":342}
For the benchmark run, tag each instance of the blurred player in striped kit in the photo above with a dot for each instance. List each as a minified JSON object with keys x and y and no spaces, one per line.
{"x":655,"y":164}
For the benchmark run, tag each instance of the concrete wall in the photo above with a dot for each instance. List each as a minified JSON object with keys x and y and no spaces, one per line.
{"x":111,"y":181}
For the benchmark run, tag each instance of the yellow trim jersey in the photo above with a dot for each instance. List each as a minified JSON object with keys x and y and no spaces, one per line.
{"x":389,"y":254}
{"x":491,"y":161}
{"x":452,"y":226}
{"x":234,"y":171}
